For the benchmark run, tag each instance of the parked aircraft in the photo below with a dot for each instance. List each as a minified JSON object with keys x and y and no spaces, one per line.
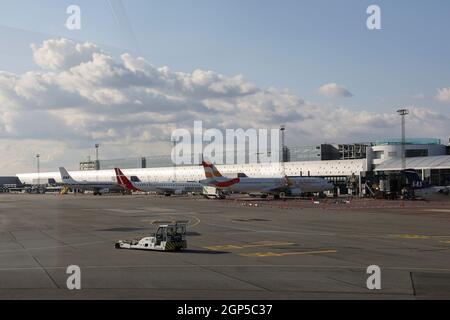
{"x":164,"y":188}
{"x":420,"y":188}
{"x":97,"y":187}
{"x":279,"y":187}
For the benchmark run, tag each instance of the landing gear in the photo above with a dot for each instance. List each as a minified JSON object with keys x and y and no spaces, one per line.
{"x":279,"y":196}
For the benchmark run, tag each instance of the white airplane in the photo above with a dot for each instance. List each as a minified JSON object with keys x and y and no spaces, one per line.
{"x":97,"y":187}
{"x":279,"y":187}
{"x":164,"y":188}
{"x":423,"y":189}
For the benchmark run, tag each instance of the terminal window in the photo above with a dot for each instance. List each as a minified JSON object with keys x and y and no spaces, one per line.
{"x":378,"y":154}
{"x":416,"y":153}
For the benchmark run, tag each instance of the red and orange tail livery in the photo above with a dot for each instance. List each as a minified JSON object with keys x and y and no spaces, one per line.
{"x":211,"y":171}
{"x":124,"y":181}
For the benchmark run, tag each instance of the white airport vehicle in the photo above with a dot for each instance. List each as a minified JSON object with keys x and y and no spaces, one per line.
{"x":170,"y":236}
{"x":429,"y":191}
{"x":164,"y":188}
{"x":97,"y":187}
{"x":278,"y":187}
{"x":444,"y":190}
{"x":213,"y":193}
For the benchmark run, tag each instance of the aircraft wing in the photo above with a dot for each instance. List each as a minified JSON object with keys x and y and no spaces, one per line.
{"x":93,"y":186}
{"x":276,"y":189}
{"x":165,"y":189}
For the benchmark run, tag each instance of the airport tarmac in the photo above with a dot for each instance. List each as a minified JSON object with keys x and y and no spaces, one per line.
{"x":276,"y":250}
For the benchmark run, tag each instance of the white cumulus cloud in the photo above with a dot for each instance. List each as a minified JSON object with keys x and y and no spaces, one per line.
{"x":62,"y":53}
{"x":443,"y":95}
{"x":81,"y":95}
{"x":333,"y":90}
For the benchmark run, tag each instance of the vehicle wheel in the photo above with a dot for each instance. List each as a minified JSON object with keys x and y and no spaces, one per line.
{"x":117,"y":246}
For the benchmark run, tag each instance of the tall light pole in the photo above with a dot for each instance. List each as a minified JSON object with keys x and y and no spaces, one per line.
{"x":283,"y":168}
{"x":97,"y":163}
{"x":174,"y":146}
{"x":38,"y":168}
{"x":403,"y":113}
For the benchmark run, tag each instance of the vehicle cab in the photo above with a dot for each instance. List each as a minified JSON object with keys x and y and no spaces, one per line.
{"x":168,"y":237}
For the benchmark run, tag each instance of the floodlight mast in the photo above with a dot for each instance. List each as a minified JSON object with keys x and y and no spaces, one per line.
{"x":403,"y":113}
{"x":97,"y":162}
{"x":283,"y":142}
{"x":38,"y":156}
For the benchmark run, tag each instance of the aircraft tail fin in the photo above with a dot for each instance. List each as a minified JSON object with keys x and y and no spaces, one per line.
{"x":413,"y":179}
{"x":216,"y":177}
{"x":65,"y":176}
{"x":211,"y":171}
{"x":123,"y":181}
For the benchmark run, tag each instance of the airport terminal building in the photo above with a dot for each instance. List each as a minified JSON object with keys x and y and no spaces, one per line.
{"x":347,"y":165}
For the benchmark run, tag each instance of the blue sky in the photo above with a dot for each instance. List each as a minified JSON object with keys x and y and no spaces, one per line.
{"x":299,"y":45}
{"x":294,"y":46}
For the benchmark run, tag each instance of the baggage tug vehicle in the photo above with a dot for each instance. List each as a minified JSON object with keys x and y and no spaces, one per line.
{"x":168,"y":237}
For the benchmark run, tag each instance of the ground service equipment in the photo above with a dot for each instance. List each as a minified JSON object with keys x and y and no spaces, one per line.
{"x":170,"y":236}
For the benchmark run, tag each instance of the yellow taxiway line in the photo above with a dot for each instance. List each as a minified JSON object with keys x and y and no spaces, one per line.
{"x":416,"y":236}
{"x":252,"y":245}
{"x":273,"y":254}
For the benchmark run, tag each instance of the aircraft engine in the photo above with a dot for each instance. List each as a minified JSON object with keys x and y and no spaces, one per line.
{"x":295,"y":192}
{"x":179,"y":192}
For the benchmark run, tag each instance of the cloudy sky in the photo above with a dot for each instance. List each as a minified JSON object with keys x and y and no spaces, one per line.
{"x":139,"y":69}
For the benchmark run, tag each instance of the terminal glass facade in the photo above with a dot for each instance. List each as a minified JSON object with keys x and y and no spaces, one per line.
{"x":409,"y":141}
